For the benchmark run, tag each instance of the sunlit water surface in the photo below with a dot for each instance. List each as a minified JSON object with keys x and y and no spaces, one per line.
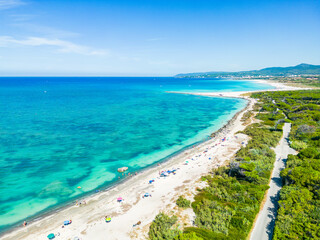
{"x":60,"y":133}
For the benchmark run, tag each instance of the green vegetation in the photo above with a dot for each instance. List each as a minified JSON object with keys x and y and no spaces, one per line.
{"x":308,"y":81}
{"x":183,"y":203}
{"x":301,"y":69}
{"x":188,"y":236}
{"x":246,"y":116}
{"x":299,"y":205}
{"x":227,"y":207}
{"x":161,"y":227}
{"x":298,"y":145}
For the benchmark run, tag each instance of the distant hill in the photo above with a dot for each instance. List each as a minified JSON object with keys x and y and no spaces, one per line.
{"x":301,"y":69}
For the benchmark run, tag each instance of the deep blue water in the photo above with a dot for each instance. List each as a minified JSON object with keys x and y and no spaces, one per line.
{"x":60,"y":133}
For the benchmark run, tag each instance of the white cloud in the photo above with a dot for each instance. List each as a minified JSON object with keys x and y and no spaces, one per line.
{"x":6,"y":4}
{"x":21,"y":17}
{"x":62,"y":46}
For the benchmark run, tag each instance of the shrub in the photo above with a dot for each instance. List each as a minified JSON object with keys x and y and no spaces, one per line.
{"x":161,"y":227}
{"x":188,"y":236}
{"x":303,"y":129}
{"x":309,"y":153}
{"x":298,"y":145}
{"x":183,"y":203}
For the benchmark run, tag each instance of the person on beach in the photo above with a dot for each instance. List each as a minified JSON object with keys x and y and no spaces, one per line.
{"x":25,"y":223}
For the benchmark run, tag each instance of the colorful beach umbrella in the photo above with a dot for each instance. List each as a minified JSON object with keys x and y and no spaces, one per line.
{"x":51,"y":236}
{"x":119,"y":199}
{"x":108,"y":219}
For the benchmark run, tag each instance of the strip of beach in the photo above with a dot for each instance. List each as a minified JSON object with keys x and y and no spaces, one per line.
{"x":132,"y":206}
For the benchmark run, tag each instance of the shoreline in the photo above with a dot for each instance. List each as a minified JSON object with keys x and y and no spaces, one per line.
{"x":104,"y":189}
{"x":86,"y":225}
{"x":18,"y":231}
{"x":242,"y":94}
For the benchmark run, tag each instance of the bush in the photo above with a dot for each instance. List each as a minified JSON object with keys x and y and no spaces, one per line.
{"x":183,"y":203}
{"x":246,"y":116}
{"x":160,"y":228}
{"x":309,"y":153}
{"x":298,"y":145}
{"x":188,"y":236}
{"x":205,"y":234}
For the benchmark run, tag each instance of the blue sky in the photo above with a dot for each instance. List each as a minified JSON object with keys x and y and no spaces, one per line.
{"x":155,"y":38}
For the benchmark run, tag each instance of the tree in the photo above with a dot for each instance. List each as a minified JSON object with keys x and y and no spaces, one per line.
{"x":188,"y":236}
{"x":160,"y":228}
{"x":182,"y":202}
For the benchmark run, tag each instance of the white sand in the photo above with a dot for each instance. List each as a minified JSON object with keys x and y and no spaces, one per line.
{"x":278,"y":87}
{"x":88,"y":220}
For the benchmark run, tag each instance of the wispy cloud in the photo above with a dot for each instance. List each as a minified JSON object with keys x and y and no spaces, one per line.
{"x":6,"y":4}
{"x":154,"y":39}
{"x":62,"y":46}
{"x":45,"y":31}
{"x":21,"y":17}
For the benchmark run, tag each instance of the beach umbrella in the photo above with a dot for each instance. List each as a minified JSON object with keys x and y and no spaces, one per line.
{"x":119,"y":199}
{"x":146,"y":194}
{"x":51,"y":236}
{"x":66,"y":222}
{"x":108,"y":220}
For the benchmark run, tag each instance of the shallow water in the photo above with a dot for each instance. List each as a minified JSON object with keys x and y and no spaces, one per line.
{"x":60,"y":133}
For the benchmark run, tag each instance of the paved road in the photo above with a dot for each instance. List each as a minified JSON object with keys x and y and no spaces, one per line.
{"x":263,"y":229}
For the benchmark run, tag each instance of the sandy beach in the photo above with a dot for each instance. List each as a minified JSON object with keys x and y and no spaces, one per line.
{"x":88,"y":220}
{"x":242,"y":94}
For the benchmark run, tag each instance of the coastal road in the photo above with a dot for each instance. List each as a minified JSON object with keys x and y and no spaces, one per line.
{"x":263,"y":228}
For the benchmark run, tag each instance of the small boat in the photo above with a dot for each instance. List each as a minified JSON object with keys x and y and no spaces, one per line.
{"x":123,"y":169}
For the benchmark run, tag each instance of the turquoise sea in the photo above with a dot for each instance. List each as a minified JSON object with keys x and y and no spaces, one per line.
{"x":59,"y":133}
